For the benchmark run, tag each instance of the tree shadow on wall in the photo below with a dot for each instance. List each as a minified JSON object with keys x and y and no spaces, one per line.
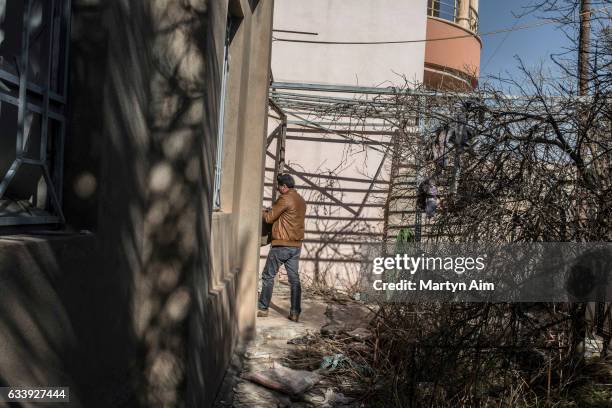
{"x":130,"y":300}
{"x":160,"y":112}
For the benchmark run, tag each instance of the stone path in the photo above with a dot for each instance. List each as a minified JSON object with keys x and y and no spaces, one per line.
{"x":270,"y":346}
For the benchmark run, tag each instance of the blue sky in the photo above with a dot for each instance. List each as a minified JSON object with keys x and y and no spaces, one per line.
{"x":533,"y":45}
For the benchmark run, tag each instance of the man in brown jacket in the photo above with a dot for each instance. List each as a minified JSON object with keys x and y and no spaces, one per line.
{"x":287,"y":219}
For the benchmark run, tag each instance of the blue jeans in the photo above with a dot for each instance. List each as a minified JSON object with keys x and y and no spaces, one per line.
{"x":290,"y":257}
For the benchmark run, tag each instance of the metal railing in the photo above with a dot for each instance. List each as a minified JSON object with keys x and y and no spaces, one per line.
{"x":34,"y":40}
{"x":442,"y":9}
{"x":449,"y":10}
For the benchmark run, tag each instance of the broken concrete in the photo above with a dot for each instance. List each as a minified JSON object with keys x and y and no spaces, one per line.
{"x":286,"y":380}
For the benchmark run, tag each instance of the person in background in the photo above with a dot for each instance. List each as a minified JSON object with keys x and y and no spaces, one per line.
{"x":287,"y":219}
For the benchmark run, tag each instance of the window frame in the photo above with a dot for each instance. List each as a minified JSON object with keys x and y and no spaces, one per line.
{"x":49,"y":101}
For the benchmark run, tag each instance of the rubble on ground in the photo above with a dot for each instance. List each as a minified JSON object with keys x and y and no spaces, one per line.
{"x":268,"y":377}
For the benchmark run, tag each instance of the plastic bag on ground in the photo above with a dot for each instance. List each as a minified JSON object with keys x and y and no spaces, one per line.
{"x":333,"y":399}
{"x":332,"y":362}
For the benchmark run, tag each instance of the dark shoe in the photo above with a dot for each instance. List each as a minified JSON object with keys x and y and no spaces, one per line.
{"x":294,"y":317}
{"x":262,"y":313}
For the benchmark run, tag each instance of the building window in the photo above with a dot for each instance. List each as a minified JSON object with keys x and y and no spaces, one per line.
{"x":34,"y":39}
{"x":219,"y":155}
{"x":433,"y":8}
{"x":229,"y":32}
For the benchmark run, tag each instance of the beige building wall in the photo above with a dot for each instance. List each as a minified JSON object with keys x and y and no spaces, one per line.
{"x":237,"y":224}
{"x":354,"y":21}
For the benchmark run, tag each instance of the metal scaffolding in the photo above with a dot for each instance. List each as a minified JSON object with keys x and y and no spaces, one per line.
{"x":325,"y":114}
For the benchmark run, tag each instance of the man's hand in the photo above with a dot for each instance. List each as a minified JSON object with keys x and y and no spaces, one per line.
{"x":265,"y":211}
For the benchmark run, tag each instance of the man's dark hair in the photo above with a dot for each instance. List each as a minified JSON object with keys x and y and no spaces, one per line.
{"x":285,"y":179}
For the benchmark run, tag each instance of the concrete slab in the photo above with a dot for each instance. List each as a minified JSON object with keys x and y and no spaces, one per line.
{"x":277,"y":326}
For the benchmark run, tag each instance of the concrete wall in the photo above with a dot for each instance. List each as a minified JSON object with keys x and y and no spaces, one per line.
{"x":146,"y":309}
{"x":349,"y":20}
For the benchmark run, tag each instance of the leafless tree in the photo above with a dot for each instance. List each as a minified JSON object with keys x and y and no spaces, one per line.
{"x":536,"y":168}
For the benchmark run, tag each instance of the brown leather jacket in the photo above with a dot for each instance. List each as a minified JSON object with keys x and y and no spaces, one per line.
{"x":287,"y":219}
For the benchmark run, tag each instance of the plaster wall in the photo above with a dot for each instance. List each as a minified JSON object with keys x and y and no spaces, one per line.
{"x":349,"y":20}
{"x":460,"y":56}
{"x":145,"y":307}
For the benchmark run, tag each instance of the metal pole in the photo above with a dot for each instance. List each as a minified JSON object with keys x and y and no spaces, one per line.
{"x":279,"y":157}
{"x":583,"y":47}
{"x":45,"y":116}
{"x":23,"y":78}
{"x":578,"y":310}
{"x":395,"y":157}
